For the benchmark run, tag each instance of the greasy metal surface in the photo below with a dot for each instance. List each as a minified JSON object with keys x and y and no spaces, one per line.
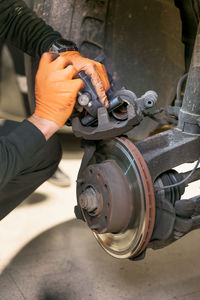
{"x":170,"y":178}
{"x":169,"y":149}
{"x":106,"y":125}
{"x":189,"y":116}
{"x":88,"y":200}
{"x":194,"y":177}
{"x":125,"y":111}
{"x":134,"y":239}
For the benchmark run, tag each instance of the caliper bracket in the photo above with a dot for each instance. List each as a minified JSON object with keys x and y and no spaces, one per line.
{"x":107,"y":126}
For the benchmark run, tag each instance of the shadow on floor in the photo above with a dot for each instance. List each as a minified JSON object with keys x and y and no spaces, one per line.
{"x":66,"y":263}
{"x":34,"y":198}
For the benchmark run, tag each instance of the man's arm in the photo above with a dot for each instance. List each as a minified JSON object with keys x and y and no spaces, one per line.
{"x":17,"y":148}
{"x":47,"y":128}
{"x":57,"y":87}
{"x":21,"y":26}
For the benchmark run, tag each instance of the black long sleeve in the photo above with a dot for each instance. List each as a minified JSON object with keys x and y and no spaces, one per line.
{"x":21,"y":26}
{"x":17,"y":148}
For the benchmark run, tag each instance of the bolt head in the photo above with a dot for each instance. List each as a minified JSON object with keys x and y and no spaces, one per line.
{"x":83,"y":201}
{"x":84,"y":99}
{"x":88,"y":200}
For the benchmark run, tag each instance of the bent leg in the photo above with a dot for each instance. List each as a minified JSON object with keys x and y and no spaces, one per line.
{"x":35,"y":172}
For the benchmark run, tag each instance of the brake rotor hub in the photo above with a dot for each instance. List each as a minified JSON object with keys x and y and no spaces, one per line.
{"x":105,"y":197}
{"x":115,"y":193}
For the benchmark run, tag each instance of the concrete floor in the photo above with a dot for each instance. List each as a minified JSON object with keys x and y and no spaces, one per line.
{"x":47,"y":255}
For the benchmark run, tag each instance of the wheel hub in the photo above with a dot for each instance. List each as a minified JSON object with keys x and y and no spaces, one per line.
{"x":116,"y":195}
{"x":108,"y":201}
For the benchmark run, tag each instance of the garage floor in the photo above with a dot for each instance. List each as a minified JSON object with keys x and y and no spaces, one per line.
{"x":47,"y":255}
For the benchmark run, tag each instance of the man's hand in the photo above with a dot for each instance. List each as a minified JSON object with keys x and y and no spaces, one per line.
{"x":56,"y":88}
{"x":95,"y":70}
{"x":55,"y":91}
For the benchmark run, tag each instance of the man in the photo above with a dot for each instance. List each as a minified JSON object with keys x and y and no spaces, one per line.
{"x":59,"y":178}
{"x":29,"y":151}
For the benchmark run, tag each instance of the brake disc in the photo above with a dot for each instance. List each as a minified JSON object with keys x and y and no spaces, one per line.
{"x":117,"y":198}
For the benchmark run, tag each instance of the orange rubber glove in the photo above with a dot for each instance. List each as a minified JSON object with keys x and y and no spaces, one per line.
{"x":56,"y":89}
{"x":95,"y":70}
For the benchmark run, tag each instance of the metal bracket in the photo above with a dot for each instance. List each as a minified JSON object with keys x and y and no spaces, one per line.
{"x":107,"y":126}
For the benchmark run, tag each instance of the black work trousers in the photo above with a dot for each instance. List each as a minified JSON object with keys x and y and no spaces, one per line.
{"x":41,"y":167}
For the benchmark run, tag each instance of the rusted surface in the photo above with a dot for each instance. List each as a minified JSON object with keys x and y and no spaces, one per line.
{"x":149,"y":193}
{"x":114,"y":200}
{"x":88,"y":200}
